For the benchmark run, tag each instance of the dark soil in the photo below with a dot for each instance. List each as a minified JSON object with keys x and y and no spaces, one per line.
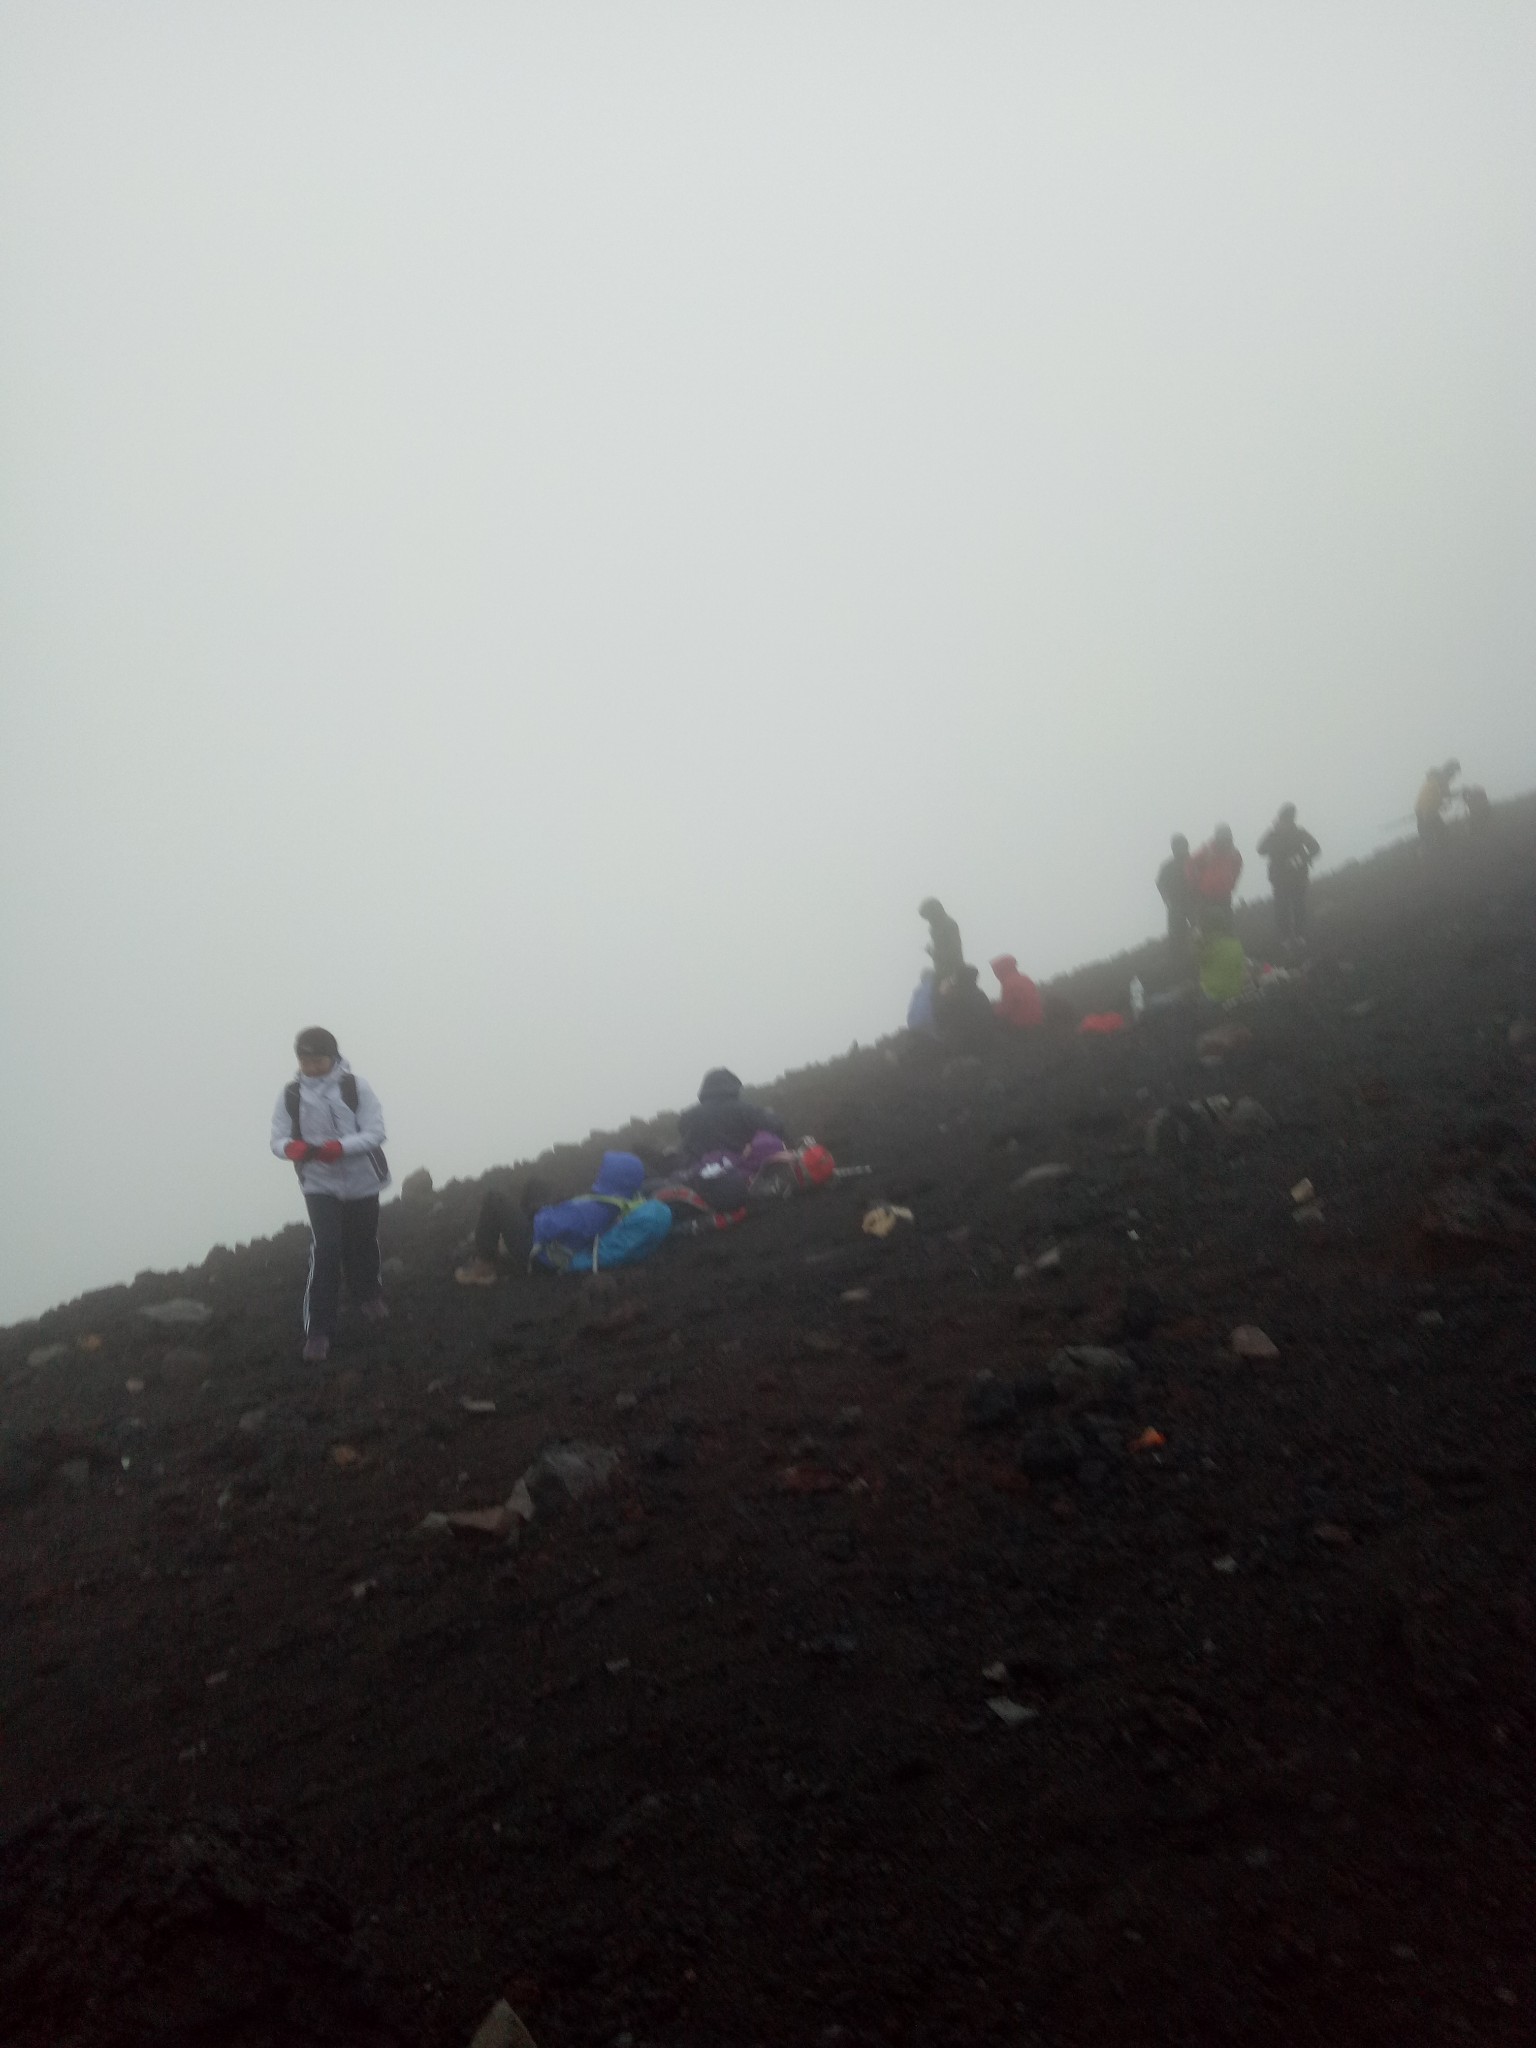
{"x":708,"y":1759}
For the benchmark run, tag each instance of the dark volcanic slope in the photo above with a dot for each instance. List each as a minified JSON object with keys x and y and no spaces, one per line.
{"x":709,"y":1759}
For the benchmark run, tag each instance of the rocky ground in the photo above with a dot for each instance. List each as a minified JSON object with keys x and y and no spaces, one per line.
{"x":969,"y":1646}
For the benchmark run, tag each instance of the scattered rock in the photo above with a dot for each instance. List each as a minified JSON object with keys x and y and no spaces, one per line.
{"x":501,"y":2028}
{"x":1303,"y":1191}
{"x":1474,"y":1212}
{"x":1010,"y":1713}
{"x":45,"y":1354}
{"x":346,"y":1456}
{"x":133,"y":1386}
{"x":486,"y":1522}
{"x":182,"y":1309}
{"x":1089,"y":1371}
{"x":576,"y":1470}
{"x":1249,"y":1341}
{"x":625,"y":1402}
{"x":1225,"y":1565}
{"x":1246,"y":1118}
{"x":1041,"y":1176}
{"x":1308,"y":1215}
{"x":883,"y":1219}
{"x":854,"y":1294}
{"x":473,"y":1406}
{"x":252,"y":1422}
{"x":417,"y":1186}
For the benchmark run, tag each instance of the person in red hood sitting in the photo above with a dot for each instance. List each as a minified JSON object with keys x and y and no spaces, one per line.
{"x":1212,"y":872}
{"x":1019,"y":1006}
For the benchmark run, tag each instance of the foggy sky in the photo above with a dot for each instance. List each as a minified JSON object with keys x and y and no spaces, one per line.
{"x":532,"y":535}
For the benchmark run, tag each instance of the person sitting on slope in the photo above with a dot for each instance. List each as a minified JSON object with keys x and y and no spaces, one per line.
{"x":1019,"y":1006}
{"x":721,"y":1122}
{"x":612,"y":1226}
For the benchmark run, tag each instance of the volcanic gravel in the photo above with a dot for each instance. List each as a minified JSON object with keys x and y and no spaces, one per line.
{"x":967,"y":1649}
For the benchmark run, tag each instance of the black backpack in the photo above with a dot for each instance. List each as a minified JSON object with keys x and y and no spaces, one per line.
{"x":349,"y":1097}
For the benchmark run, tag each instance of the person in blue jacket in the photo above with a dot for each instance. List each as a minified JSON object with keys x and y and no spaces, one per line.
{"x":612,"y":1226}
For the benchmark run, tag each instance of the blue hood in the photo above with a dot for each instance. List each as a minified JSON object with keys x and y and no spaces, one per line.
{"x":620,"y":1174}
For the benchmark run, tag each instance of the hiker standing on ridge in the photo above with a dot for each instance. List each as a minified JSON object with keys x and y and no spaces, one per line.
{"x":329,"y":1123}
{"x":1211,"y":873}
{"x":1290,"y":850}
{"x":1429,"y":805}
{"x":943,"y":941}
{"x":1173,"y":887}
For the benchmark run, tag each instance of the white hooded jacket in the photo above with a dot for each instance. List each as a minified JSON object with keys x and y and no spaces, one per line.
{"x":360,"y":1171}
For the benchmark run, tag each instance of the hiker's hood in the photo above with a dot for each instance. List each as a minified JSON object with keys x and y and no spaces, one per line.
{"x":620,"y":1174}
{"x":719,"y":1085}
{"x":1004,"y":965}
{"x":323,"y":1084}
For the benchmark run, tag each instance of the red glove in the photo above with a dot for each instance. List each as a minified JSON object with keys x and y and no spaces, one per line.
{"x":329,"y":1152}
{"x":296,"y":1149}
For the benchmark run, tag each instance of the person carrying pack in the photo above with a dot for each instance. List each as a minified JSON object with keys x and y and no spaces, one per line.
{"x":329,"y":1124}
{"x":1290,"y":850}
{"x":614,"y":1225}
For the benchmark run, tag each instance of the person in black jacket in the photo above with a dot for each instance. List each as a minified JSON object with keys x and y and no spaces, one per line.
{"x":943,"y":941}
{"x":720,"y":1121}
{"x":1290,"y":850}
{"x":1173,"y":887}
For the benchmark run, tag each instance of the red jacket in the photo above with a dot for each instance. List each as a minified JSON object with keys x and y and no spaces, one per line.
{"x":1019,"y":1005}
{"x":1212,"y":872}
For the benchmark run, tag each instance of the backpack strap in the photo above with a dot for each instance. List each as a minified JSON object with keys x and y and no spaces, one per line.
{"x":291,"y":1104}
{"x":349,"y":1091}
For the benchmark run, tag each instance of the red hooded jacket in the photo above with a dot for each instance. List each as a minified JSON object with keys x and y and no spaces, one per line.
{"x":1212,"y":872}
{"x":1019,"y":1005}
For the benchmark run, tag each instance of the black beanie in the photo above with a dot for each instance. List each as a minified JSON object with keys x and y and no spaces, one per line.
{"x":317,"y":1040}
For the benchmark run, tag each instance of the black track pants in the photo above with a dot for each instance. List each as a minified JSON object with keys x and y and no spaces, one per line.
{"x":344,"y":1237}
{"x":499,"y":1218}
{"x":1290,"y":905}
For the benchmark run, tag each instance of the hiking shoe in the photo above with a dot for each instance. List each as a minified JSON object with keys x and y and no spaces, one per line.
{"x":316,"y":1350}
{"x":375,"y":1311}
{"x":478,"y":1273}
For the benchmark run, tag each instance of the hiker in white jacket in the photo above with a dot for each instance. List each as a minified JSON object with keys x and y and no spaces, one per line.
{"x":329,"y":1123}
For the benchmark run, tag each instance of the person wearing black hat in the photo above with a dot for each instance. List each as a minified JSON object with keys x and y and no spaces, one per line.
{"x":1290,"y":850}
{"x":329,"y":1124}
{"x":720,"y":1121}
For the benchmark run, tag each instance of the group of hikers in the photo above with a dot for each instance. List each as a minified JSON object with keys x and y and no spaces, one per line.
{"x":329,"y":1124}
